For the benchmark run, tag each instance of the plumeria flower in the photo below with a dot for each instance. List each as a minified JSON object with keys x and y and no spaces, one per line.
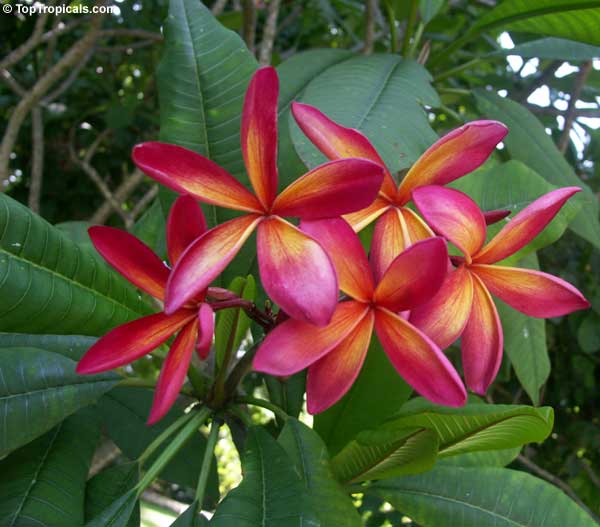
{"x":334,"y":354}
{"x":194,"y":322}
{"x":295,"y":270}
{"x":451,"y":157}
{"x":463,"y":306}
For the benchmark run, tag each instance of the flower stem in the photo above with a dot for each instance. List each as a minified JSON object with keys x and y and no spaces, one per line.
{"x":410,"y":22}
{"x":166,"y":433}
{"x":138,"y":382}
{"x":213,"y":436}
{"x":171,"y":450}
{"x":267,"y":405}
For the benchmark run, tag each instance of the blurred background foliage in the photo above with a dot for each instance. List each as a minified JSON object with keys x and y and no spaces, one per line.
{"x":87,"y":121}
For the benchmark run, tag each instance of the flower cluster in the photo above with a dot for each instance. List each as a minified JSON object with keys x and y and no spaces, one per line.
{"x":415,"y":297}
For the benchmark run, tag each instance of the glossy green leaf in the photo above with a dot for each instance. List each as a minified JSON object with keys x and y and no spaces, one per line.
{"x":381,"y":96}
{"x":191,"y":518}
{"x":472,"y":428}
{"x":271,"y":493}
{"x":326,"y":497}
{"x":38,"y":389}
{"x":124,"y":412}
{"x":377,"y":393}
{"x":429,"y":8}
{"x":513,"y":186}
{"x":233,"y":324}
{"x":490,"y":458}
{"x":118,"y":513}
{"x":43,"y":483}
{"x":528,"y":142}
{"x":107,"y":487}
{"x":70,"y":346}
{"x":411,"y":452}
{"x":49,"y":283}
{"x":481,"y":497}
{"x":554,"y":48}
{"x":287,"y":392}
{"x":77,"y":231}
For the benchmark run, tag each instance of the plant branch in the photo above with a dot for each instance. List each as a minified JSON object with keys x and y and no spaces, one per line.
{"x":211,"y":442}
{"x":267,"y":405}
{"x":36,"y":36}
{"x":37,"y":159}
{"x":249,"y":27}
{"x":369,"y":43}
{"x":123,"y":191}
{"x":12,"y":83}
{"x":546,"y":74}
{"x":145,"y":200}
{"x":269,"y":33}
{"x":218,"y":7}
{"x":580,"y":80}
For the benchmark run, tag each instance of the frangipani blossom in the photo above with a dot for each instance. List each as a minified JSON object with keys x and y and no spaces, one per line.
{"x":463,"y":306}
{"x":295,"y":270}
{"x":334,"y":354}
{"x":142,"y":267}
{"x":451,"y":157}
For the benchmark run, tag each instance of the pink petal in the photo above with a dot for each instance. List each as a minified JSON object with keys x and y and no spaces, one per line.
{"x":525,"y":226}
{"x":132,"y":258}
{"x":481,"y":341}
{"x":332,"y":189}
{"x":296,"y":272}
{"x":259,"y":134}
{"x":457,"y":153}
{"x":531,"y":292}
{"x":185,"y":223}
{"x":418,"y":360}
{"x":453,"y":215}
{"x":133,"y":340}
{"x":347,"y":253}
{"x":294,"y":344}
{"x":206,"y":322}
{"x":333,"y":375}
{"x":204,"y":260}
{"x":414,"y":277}
{"x":173,"y":372}
{"x":339,"y":142}
{"x":494,"y":216}
{"x":390,"y":238}
{"x":417,"y":228}
{"x":185,"y":171}
{"x":444,"y":317}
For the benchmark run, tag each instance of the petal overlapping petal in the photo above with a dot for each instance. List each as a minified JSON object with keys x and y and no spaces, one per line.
{"x":331,"y":189}
{"x":531,"y":292}
{"x":453,"y":215}
{"x":206,"y":330}
{"x":173,"y":372}
{"x":185,"y":223}
{"x":457,"y":153}
{"x":414,"y":277}
{"x":481,"y":341}
{"x":525,"y":226}
{"x":339,"y":142}
{"x":494,"y":216}
{"x":296,"y":272}
{"x":332,"y":376}
{"x":418,"y":360}
{"x":360,"y":219}
{"x":390,"y":238}
{"x":347,"y":253}
{"x":132,"y":258}
{"x":444,"y":317}
{"x":185,"y":171}
{"x":133,"y":340}
{"x":259,"y":134}
{"x":294,"y":344}
{"x":204,"y":260}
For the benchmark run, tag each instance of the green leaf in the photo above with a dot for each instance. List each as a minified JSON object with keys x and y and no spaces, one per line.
{"x":108,"y":486}
{"x":38,"y":389}
{"x":326,"y":497}
{"x":288,"y":392}
{"x":48,"y":282}
{"x":124,"y":412}
{"x":377,"y":393}
{"x":233,"y":324}
{"x":429,"y":8}
{"x":472,"y":428}
{"x":71,"y":346}
{"x":513,"y":186}
{"x":271,"y":493}
{"x":381,"y":96}
{"x":77,"y":231}
{"x":43,"y":483}
{"x":191,"y":517}
{"x":480,"y":497}
{"x":118,"y":513}
{"x":411,"y":452}
{"x":490,"y":458}
{"x":528,"y":142}
{"x":553,"y":48}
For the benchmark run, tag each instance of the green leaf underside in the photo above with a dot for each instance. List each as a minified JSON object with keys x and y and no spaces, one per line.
{"x":38,"y":389}
{"x":381,"y":96}
{"x":71,"y":346}
{"x":49,"y":283}
{"x":43,"y":482}
{"x":326,"y":498}
{"x":480,"y":497}
{"x":118,"y":513}
{"x":553,"y":48}
{"x":528,"y":142}
{"x":488,"y":458}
